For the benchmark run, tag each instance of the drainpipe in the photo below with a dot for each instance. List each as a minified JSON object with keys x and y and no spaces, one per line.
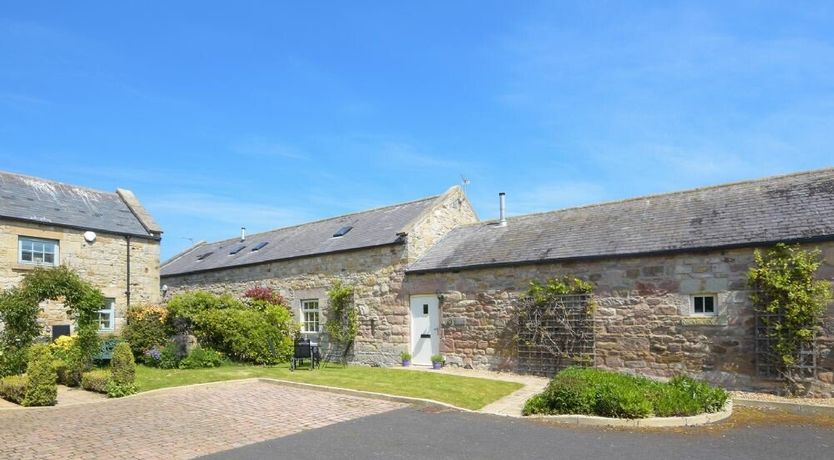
{"x":127,"y":291}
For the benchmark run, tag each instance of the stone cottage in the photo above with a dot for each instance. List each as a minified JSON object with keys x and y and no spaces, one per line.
{"x":669,"y":273}
{"x":368,"y":250}
{"x":107,"y":237}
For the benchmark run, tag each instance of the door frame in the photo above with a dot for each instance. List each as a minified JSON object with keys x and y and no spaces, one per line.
{"x":434,"y":325}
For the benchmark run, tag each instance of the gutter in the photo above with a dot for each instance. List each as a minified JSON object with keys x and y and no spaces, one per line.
{"x":78,"y":227}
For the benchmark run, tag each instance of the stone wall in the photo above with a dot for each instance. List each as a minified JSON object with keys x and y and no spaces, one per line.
{"x":375,"y":273}
{"x":451,"y":210}
{"x":644,"y":315}
{"x":103,"y":263}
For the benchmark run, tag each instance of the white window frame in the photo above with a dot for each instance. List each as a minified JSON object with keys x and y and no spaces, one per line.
{"x":54,"y":244}
{"x":307,"y":307}
{"x":110,"y":308}
{"x":714,"y":311}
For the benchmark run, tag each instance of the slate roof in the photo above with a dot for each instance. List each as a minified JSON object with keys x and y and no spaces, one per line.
{"x":797,"y":207}
{"x":375,"y":227}
{"x":44,"y":201}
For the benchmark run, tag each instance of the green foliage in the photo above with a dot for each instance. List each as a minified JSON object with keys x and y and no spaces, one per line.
{"x":166,"y":357}
{"x":13,"y":388}
{"x":13,"y":360}
{"x":202,"y":358}
{"x":405,"y":356}
{"x":41,"y":389}
{"x":122,"y":365}
{"x":543,"y":293}
{"x":119,"y":390}
{"x":343,"y":320}
{"x":792,"y":300}
{"x":146,"y":327}
{"x":611,"y":394}
{"x":95,"y":380}
{"x":62,"y":371}
{"x":19,"y":308}
{"x":438,"y":358}
{"x":245,"y":334}
{"x":185,"y":307}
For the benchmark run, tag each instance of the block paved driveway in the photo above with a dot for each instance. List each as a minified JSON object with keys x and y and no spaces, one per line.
{"x":177,"y":423}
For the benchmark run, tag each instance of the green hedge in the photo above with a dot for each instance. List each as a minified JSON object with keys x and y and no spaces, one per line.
{"x":96,"y":380}
{"x":122,"y":372}
{"x":13,"y":388}
{"x":41,"y":389}
{"x":612,"y":394}
{"x":245,"y":334}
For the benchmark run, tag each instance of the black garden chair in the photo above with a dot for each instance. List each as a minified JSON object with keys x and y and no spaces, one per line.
{"x":305,"y":350}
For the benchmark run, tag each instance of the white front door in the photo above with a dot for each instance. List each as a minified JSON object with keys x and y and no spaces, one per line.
{"x":425,"y":328}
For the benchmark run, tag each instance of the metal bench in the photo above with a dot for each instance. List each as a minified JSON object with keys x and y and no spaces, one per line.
{"x":305,"y":350}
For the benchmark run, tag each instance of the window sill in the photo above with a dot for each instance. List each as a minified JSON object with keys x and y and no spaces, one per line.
{"x":29,"y":267}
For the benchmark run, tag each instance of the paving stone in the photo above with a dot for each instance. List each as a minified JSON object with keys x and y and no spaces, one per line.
{"x":177,"y":423}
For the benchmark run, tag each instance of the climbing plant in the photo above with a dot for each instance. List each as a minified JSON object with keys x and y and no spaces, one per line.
{"x":790,"y":304}
{"x":342,"y":321}
{"x":19,"y":309}
{"x":553,"y":326}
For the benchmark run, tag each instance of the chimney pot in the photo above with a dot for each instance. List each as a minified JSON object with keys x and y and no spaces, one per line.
{"x":502,"y":210}
{"x":242,"y":233}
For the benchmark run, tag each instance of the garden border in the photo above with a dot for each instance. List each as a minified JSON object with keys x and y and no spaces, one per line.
{"x":791,"y":407}
{"x":649,"y":422}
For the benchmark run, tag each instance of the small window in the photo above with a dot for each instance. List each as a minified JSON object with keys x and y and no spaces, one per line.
{"x":310,"y":316}
{"x":703,"y":304}
{"x":342,"y":231}
{"x":203,"y":256}
{"x":260,"y":246}
{"x":237,"y":249}
{"x":107,"y":316}
{"x":36,"y":251}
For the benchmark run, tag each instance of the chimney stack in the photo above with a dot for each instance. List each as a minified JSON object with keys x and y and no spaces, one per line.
{"x":242,"y":233}
{"x":502,"y":210}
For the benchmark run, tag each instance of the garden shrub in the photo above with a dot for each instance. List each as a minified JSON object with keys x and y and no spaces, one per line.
{"x":62,"y":347}
{"x":147,"y":326}
{"x":13,"y":360}
{"x":62,"y":372}
{"x":184,"y":308}
{"x":245,"y":334}
{"x":95,"y":380}
{"x":612,"y":394}
{"x":201,"y":358}
{"x":122,"y":365}
{"x":13,"y":388}
{"x":166,"y":357}
{"x":41,"y":389}
{"x":261,"y":297}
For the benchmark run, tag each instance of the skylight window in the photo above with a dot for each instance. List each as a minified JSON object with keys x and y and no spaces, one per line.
{"x":342,"y":231}
{"x":203,"y":256}
{"x":260,"y":246}
{"x":237,"y":249}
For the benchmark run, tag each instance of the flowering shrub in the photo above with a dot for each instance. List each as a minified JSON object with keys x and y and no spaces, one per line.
{"x":265,"y":294}
{"x":163,"y":357}
{"x":146,"y":327}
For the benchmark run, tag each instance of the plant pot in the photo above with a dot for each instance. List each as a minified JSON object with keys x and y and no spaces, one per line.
{"x":406,"y":362}
{"x":436,"y":365}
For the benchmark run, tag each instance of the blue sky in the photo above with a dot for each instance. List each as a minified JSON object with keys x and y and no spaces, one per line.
{"x":265,"y":114}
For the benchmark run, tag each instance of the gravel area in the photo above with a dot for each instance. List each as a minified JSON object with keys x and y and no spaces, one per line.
{"x":828,"y":402}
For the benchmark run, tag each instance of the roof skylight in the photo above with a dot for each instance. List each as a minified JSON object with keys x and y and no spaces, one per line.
{"x":260,"y":246}
{"x":342,"y":231}
{"x":237,"y":249}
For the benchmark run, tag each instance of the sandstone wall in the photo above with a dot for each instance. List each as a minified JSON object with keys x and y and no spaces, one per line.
{"x":644,"y":321}
{"x":451,"y":210}
{"x":375,"y":273}
{"x":102,"y":263}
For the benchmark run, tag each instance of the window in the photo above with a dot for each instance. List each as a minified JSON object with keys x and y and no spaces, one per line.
{"x":703,"y":304}
{"x":35,"y":251}
{"x":107,"y":315}
{"x":310,"y":315}
{"x":342,"y":231}
{"x":237,"y":249}
{"x":260,"y":246}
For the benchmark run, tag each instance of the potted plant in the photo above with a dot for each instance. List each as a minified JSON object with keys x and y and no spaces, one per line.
{"x":437,"y":361}
{"x":406,"y":358}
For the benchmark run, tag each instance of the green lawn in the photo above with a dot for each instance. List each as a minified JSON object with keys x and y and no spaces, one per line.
{"x":467,"y":392}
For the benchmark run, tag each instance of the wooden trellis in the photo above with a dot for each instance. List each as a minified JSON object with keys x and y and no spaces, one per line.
{"x":555,"y":335}
{"x":767,"y":362}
